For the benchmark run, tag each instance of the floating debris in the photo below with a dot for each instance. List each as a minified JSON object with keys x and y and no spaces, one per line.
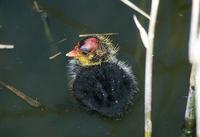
{"x":55,"y":55}
{"x":60,"y":41}
{"x":20,"y":94}
{"x":5,"y":46}
{"x":95,"y":34}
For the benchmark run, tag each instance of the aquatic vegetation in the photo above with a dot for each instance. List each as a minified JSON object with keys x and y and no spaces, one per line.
{"x":193,"y":109}
{"x":148,"y":42}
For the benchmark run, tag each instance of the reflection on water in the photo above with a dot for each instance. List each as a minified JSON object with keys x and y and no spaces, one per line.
{"x":28,"y":67}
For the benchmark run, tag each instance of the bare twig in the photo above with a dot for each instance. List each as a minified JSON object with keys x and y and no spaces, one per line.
{"x":5,"y":46}
{"x":20,"y":94}
{"x":133,"y":6}
{"x":55,"y":55}
{"x":96,"y":34}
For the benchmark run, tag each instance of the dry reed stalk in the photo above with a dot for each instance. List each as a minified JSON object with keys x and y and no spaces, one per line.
{"x":96,"y":34}
{"x":189,"y":124}
{"x":148,"y":41}
{"x":5,"y":46}
{"x":55,"y":55}
{"x":20,"y":94}
{"x":194,"y":56}
{"x":134,"y":7}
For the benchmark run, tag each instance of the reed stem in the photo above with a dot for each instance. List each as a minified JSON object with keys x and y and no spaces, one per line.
{"x":149,"y":68}
{"x":194,"y":56}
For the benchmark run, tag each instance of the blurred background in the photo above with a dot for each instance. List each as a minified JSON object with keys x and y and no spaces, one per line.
{"x":54,"y":26}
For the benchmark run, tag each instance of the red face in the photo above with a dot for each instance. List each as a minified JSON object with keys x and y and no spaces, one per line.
{"x":84,"y":47}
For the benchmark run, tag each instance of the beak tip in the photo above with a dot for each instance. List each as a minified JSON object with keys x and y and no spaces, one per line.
{"x":70,"y":54}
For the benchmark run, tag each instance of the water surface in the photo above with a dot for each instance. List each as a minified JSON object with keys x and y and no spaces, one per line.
{"x":29,"y":69}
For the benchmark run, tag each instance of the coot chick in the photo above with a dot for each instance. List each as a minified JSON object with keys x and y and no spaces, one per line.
{"x":100,"y":82}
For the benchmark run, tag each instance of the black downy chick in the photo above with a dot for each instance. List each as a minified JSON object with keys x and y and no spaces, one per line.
{"x":100,"y":82}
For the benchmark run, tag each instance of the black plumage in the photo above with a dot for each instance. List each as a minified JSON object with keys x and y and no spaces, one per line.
{"x":105,"y":88}
{"x":108,"y":87}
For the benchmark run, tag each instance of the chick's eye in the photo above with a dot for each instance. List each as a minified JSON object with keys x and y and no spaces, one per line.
{"x":84,"y":50}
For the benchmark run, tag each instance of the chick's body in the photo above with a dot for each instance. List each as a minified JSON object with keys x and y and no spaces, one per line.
{"x":107,"y":88}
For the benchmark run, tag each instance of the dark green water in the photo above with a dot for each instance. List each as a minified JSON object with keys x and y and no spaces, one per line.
{"x":28,"y":68}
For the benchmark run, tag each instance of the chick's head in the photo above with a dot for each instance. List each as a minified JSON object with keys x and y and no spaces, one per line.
{"x":92,"y":51}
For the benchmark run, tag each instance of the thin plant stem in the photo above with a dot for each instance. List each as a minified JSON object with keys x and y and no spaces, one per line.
{"x":60,"y":41}
{"x":148,"y":92}
{"x":194,"y":23}
{"x":194,"y":56}
{"x":55,"y":55}
{"x":190,"y":112}
{"x":5,"y":46}
{"x":29,"y":100}
{"x":149,"y":68}
{"x":189,"y":126}
{"x":148,"y":42}
{"x":197,"y":99}
{"x":134,"y":7}
{"x":96,"y":34}
{"x":49,"y":36}
{"x":36,"y":6}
